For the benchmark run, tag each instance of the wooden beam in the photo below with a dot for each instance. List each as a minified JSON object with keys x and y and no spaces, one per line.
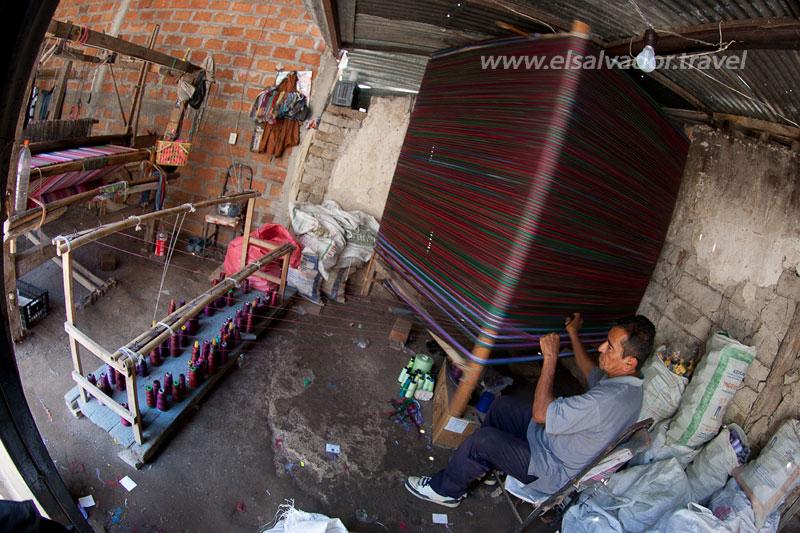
{"x":96,"y":39}
{"x":78,"y":142}
{"x":132,"y":126}
{"x":102,"y":397}
{"x":780,"y":132}
{"x":524,"y":11}
{"x":331,"y":19}
{"x":346,"y":10}
{"x":262,"y":244}
{"x":269,"y":277}
{"x":76,"y":55}
{"x":114,"y":227}
{"x":69,"y":305}
{"x":61,"y":91}
{"x":248,"y":224}
{"x":88,"y":343}
{"x":749,"y":34}
{"x":677,"y":89}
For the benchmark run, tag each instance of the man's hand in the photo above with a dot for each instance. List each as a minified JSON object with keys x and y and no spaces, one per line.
{"x":573,"y":323}
{"x":550,"y":345}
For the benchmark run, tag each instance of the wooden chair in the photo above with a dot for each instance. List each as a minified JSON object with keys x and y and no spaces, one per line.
{"x":620,"y":451}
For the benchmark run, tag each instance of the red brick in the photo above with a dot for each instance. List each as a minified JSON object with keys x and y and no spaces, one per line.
{"x":189,"y":28}
{"x":236,"y":46}
{"x":232,"y":31}
{"x":173,"y":39}
{"x":288,"y":13}
{"x":266,"y":65}
{"x":241,"y":61}
{"x":310,"y":59}
{"x":208,"y":29}
{"x":281,"y":52}
{"x":181,"y":15}
{"x":198,"y":4}
{"x":193,"y":42}
{"x":292,"y":27}
{"x":242,"y":7}
{"x":279,"y":38}
{"x":246,"y":20}
{"x":304,"y":42}
{"x":169,"y":27}
{"x":265,"y":9}
{"x":223,"y":18}
{"x":202,"y":16}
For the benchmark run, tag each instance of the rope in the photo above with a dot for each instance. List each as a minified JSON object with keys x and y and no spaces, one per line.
{"x":128,"y":353}
{"x":44,"y":211}
{"x":171,"y":331}
{"x":61,"y":238}
{"x":235,"y":283}
{"x":138,"y":222}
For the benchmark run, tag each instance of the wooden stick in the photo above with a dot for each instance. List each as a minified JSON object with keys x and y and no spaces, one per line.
{"x":269,"y":277}
{"x":196,"y":305}
{"x":88,"y":343}
{"x":262,"y":244}
{"x":69,"y":304}
{"x":133,"y":401}
{"x":284,"y":274}
{"x":105,"y":399}
{"x":114,"y":227}
{"x":136,"y":104}
{"x":472,"y":374}
{"x":248,"y":224}
{"x":61,"y":90}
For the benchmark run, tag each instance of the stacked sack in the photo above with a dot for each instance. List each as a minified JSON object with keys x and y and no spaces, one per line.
{"x":691,"y":456}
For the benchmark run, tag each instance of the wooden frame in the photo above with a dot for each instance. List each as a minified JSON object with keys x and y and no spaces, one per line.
{"x":122,"y":359}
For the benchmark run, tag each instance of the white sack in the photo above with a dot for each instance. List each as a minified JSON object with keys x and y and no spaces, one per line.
{"x":733,"y":508}
{"x":712,"y":467}
{"x":715,"y":381}
{"x":588,"y":517}
{"x":659,"y":450}
{"x":662,"y":390}
{"x":695,"y":519}
{"x":775,"y":473}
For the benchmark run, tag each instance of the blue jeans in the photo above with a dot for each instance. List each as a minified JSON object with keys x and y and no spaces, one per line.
{"x":501,"y":443}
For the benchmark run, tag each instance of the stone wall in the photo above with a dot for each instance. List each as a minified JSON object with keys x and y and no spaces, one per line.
{"x":730,"y":263}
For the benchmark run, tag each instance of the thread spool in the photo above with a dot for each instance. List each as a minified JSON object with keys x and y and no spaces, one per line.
{"x":176,"y":392}
{"x":195,"y":352}
{"x":248,"y":328}
{"x":174,"y":346}
{"x":121,"y":385}
{"x":208,"y":310}
{"x":229,"y":301}
{"x":167,"y":383}
{"x":193,"y":325}
{"x":149,"y":396}
{"x":141,"y":368}
{"x":273,"y":298}
{"x":246,"y":285}
{"x":124,"y":421}
{"x":156,"y":385}
{"x":194,"y":378}
{"x":212,"y":365}
{"x":423,"y":363}
{"x":171,"y":306}
{"x":182,"y":385}
{"x":237,"y":336}
{"x":155,"y":357}
{"x":112,"y":374}
{"x":184,"y":336}
{"x":181,"y":303}
{"x":103,"y":384}
{"x":223,"y":353}
{"x":162,"y":404}
{"x":93,"y":380}
{"x":165,"y":349}
{"x":206,"y":348}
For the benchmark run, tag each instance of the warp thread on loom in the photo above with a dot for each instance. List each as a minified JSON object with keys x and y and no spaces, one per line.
{"x":523,"y":195}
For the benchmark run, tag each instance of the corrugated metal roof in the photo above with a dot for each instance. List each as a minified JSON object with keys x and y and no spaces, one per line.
{"x":387,"y":72}
{"x":763,"y":89}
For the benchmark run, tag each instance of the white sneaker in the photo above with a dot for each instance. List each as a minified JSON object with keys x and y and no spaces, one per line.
{"x":420,"y":487}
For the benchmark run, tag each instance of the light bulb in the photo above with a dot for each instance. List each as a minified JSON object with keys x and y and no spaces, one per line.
{"x":646,"y":60}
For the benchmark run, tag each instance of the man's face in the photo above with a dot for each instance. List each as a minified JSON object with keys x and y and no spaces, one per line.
{"x":612,"y":361}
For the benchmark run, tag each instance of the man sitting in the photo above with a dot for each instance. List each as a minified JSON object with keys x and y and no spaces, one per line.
{"x":549,"y":443}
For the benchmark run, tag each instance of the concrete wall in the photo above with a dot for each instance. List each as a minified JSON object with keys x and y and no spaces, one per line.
{"x":362,"y":175}
{"x":249,"y":40}
{"x":731,"y":261}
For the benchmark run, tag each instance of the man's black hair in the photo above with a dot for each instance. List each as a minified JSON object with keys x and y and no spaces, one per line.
{"x":641,"y":335}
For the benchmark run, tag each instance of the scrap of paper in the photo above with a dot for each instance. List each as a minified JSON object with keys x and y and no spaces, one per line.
{"x":128,"y":483}
{"x":439,"y":518}
{"x":333,"y":448}
{"x":86,"y":501}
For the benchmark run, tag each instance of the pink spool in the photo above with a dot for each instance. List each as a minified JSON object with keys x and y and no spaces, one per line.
{"x":183,"y":334}
{"x":174,"y":346}
{"x":167,"y":383}
{"x":112,"y":374}
{"x":176,"y":392}
{"x":149,"y":396}
{"x":208,"y":310}
{"x":121,"y":384}
{"x":156,"y":385}
{"x":155,"y":357}
{"x":273,"y":299}
{"x":122,"y":420}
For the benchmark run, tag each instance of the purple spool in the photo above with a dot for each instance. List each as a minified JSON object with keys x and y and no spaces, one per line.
{"x":93,"y":380}
{"x":237,"y":336}
{"x":206,"y":349}
{"x":112,"y":375}
{"x":193,"y":325}
{"x":156,"y":385}
{"x":167,"y":383}
{"x":103,"y":384}
{"x":183,"y":335}
{"x":141,"y":368}
{"x":124,"y":421}
{"x":223,"y":353}
{"x":246,"y":285}
{"x":162,"y":404}
{"x":121,"y":385}
{"x":208,"y":310}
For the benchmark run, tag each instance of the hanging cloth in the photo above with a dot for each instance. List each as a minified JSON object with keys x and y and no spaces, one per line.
{"x":281,"y":134}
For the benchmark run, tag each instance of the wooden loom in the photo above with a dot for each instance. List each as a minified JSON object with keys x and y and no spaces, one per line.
{"x":66,"y":160}
{"x":124,"y":359}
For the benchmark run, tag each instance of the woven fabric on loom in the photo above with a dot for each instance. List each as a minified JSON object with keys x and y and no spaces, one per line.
{"x":523,"y":195}
{"x":62,"y":185}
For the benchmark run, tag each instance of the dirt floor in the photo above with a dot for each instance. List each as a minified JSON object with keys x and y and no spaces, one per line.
{"x":259,"y":438}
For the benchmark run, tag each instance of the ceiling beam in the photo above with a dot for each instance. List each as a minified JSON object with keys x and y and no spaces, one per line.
{"x":761,"y":33}
{"x":331,"y":19}
{"x":96,"y":39}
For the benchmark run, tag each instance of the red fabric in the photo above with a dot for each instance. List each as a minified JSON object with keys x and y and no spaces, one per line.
{"x":272,"y":233}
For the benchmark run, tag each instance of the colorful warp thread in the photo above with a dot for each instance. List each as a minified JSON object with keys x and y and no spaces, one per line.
{"x":522,"y":195}
{"x":63,"y":185}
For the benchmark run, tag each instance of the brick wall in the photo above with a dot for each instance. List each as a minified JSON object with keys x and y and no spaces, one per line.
{"x":731,"y":262}
{"x":265,"y":34}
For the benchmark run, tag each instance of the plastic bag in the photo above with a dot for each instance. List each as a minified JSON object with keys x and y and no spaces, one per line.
{"x":272,"y":233}
{"x":643,"y":494}
{"x":662,"y":390}
{"x":695,"y":518}
{"x":297,"y":521}
{"x":588,"y":517}
{"x":714,"y":464}
{"x":775,"y":473}
{"x":717,"y":378}
{"x":731,"y":506}
{"x":659,"y":450}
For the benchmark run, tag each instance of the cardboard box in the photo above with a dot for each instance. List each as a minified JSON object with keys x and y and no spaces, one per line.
{"x":450,"y":431}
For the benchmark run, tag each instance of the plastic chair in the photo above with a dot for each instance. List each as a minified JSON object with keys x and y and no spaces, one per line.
{"x":620,"y":451}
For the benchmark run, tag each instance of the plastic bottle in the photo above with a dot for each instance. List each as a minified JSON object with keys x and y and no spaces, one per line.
{"x":23,"y":178}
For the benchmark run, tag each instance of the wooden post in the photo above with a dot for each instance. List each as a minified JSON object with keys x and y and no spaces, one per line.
{"x":69,"y":305}
{"x":136,"y":103}
{"x":369,"y":276}
{"x":472,"y":374}
{"x":61,"y":90}
{"x":133,"y":401}
{"x":284,"y":273}
{"x":248,"y":224}
{"x":10,"y":279}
